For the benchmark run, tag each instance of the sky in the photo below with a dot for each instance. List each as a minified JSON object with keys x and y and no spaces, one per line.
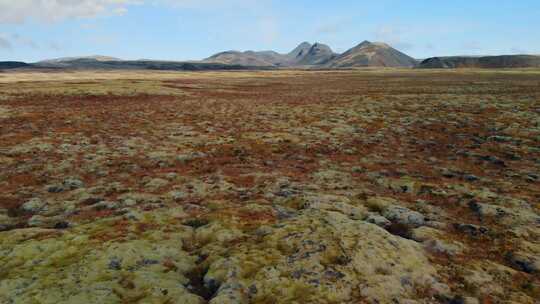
{"x":33,"y":30}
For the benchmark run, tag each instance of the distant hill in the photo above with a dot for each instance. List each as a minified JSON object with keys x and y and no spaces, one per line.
{"x":5,"y":65}
{"x":86,"y":63}
{"x":249,"y":58}
{"x":486,"y":62}
{"x":69,"y":59}
{"x":304,"y":54}
{"x":262,"y":58}
{"x":271,"y":57}
{"x":372,"y":54}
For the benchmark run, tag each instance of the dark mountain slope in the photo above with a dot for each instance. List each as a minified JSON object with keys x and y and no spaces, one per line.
{"x":487,"y":62}
{"x":318,"y":54}
{"x":5,"y":65}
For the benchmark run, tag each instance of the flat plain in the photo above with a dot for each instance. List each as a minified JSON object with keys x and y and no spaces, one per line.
{"x":359,"y":186}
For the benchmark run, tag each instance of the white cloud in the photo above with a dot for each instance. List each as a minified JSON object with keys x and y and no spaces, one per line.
{"x":328,"y":28}
{"x":16,"y":41}
{"x":24,"y":41}
{"x":55,"y":46}
{"x":393,"y":36}
{"x":268,"y":27}
{"x":205,"y":4}
{"x":5,"y":44}
{"x":331,"y":25}
{"x":18,"y":11}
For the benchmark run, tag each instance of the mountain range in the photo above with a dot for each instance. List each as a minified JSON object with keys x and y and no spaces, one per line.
{"x":366,"y":54}
{"x":305,"y":55}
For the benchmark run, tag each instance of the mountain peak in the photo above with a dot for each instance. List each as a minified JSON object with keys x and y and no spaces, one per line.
{"x":300,"y":50}
{"x":302,"y":46}
{"x":369,"y":53}
{"x":317,"y":54}
{"x":365,"y":43}
{"x":317,"y":46}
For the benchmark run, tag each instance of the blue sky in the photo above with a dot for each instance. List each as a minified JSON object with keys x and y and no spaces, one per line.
{"x":32,"y":30}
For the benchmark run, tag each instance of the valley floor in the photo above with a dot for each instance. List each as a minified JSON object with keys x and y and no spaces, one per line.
{"x":366,"y":186}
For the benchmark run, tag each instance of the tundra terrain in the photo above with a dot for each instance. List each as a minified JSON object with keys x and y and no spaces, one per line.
{"x":360,"y":186}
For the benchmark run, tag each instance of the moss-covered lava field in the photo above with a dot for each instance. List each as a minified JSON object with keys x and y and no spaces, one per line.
{"x":361,"y":186}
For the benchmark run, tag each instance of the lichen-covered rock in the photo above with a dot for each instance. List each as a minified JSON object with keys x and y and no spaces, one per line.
{"x":78,"y":267}
{"x":335,"y":203}
{"x":402,"y":185}
{"x":34,"y":205}
{"x":403,"y":215}
{"x":230,"y":294}
{"x":156,"y":183}
{"x":32,"y":145}
{"x":139,"y":198}
{"x":217,"y":234}
{"x":72,"y":183}
{"x":487,"y":278}
{"x":6,"y":221}
{"x":177,"y":195}
{"x":510,"y":216}
{"x":333,"y":179}
{"x":379,"y":204}
{"x":377,"y":219}
{"x":450,"y":248}
{"x":325,"y":256}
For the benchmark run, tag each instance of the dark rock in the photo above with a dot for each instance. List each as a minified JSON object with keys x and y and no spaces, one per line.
{"x":511,"y":156}
{"x":470,"y":178}
{"x":196,"y":223}
{"x":474,"y":206}
{"x":253,"y":290}
{"x":470,"y":229}
{"x":521,"y":263}
{"x":61,"y":225}
{"x":531,"y":177}
{"x":448,"y":173}
{"x":146,"y":262}
{"x":494,"y":160}
{"x":500,"y":139}
{"x":400,"y":229}
{"x":334,"y":275}
{"x":115,"y":264}
{"x":54,"y":189}
{"x":92,"y":201}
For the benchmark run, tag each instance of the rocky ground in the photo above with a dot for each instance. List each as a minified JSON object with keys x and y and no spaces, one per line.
{"x":270,"y":187}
